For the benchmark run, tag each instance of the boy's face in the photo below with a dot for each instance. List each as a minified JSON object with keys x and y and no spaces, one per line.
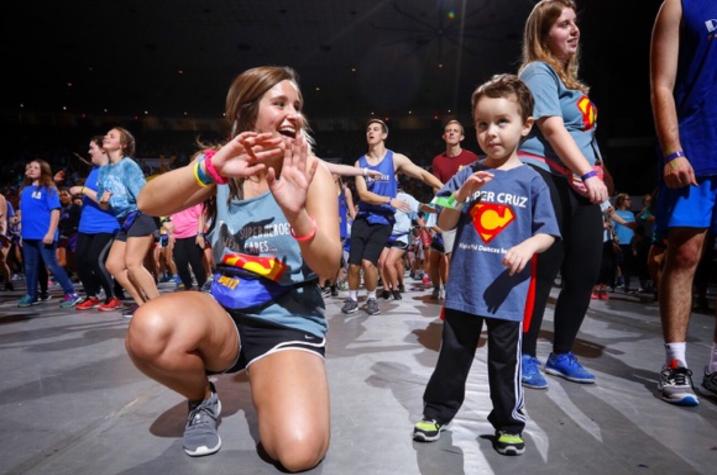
{"x":499,"y":126}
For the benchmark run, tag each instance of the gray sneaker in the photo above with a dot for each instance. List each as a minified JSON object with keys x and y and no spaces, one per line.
{"x":675,"y":385}
{"x":350,"y":306}
{"x":372,"y":307}
{"x":710,"y":382}
{"x":200,"y":432}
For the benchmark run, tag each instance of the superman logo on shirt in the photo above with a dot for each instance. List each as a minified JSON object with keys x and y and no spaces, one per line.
{"x":490,"y":219}
{"x":588,"y":111}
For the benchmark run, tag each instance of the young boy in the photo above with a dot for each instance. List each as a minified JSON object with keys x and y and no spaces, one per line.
{"x":504,"y":216}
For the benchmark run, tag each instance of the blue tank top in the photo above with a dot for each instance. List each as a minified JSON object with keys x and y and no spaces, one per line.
{"x":696,"y":85}
{"x":343,"y":216}
{"x":257,"y":226}
{"x":384,"y":186}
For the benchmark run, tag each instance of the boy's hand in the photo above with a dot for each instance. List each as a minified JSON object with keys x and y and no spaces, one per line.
{"x":518,"y":257}
{"x":474,"y":182}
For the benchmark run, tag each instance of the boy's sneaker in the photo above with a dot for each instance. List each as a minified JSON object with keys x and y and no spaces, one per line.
{"x":200,"y":431}
{"x":675,"y":385}
{"x":427,"y":430}
{"x":334,"y":291}
{"x":509,"y":444}
{"x":111,"y":305}
{"x":532,"y":377}
{"x":566,"y":365}
{"x":70,"y":300}
{"x":372,"y":307}
{"x":88,"y":303}
{"x":350,"y":306}
{"x":709,"y":382}
{"x":26,"y":301}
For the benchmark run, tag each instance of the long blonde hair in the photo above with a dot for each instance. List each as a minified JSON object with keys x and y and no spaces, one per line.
{"x":535,"y":42}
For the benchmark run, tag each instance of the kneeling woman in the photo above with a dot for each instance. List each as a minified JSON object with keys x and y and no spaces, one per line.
{"x":275,"y":233}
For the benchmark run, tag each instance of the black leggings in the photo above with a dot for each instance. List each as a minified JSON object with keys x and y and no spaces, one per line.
{"x":186,"y":253}
{"x":577,"y":256}
{"x":92,"y":251}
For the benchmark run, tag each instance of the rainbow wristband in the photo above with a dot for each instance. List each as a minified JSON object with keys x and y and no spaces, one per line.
{"x":674,"y":155}
{"x":589,"y":174}
{"x":215,"y":176}
{"x":199,"y":176}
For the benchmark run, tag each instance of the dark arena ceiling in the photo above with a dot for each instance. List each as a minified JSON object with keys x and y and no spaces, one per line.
{"x":177,"y":57}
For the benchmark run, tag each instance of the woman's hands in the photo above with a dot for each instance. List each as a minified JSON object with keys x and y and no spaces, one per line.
{"x":243,"y":156}
{"x":291,"y":187}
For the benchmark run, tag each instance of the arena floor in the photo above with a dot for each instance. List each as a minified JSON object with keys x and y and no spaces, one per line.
{"x":72,"y":402}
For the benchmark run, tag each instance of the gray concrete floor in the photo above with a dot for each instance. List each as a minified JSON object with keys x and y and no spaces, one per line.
{"x":71,"y":402}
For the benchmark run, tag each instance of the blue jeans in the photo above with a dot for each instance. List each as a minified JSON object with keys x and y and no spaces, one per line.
{"x":33,"y":251}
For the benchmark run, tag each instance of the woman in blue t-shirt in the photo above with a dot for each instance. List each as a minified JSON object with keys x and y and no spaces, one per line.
{"x":625,"y":232}
{"x":39,"y":217}
{"x":95,"y":232}
{"x":275,"y":234}
{"x":562,"y":148}
{"x":118,"y":186}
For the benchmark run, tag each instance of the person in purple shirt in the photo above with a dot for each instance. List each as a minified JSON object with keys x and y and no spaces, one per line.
{"x":39,"y":217}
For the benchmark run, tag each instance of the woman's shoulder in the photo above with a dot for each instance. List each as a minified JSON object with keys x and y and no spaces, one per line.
{"x":535,"y":68}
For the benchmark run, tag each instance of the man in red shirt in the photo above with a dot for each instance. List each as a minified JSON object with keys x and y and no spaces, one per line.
{"x":445,"y":165}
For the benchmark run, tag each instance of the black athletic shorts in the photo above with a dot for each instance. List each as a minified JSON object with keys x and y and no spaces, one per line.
{"x":368,"y":240}
{"x":143,"y":225}
{"x":258,"y":339}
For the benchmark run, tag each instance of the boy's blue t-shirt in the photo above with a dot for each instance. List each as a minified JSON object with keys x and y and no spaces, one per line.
{"x":124,"y":180}
{"x":553,"y":98}
{"x":624,"y":234}
{"x":509,"y":209}
{"x":36,"y":205}
{"x":94,"y":219}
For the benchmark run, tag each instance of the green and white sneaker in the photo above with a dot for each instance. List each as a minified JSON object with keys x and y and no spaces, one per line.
{"x":509,"y":444}
{"x":427,"y":430}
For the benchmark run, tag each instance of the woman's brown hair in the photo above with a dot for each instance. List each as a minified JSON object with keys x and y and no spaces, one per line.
{"x":535,"y":42}
{"x":45,"y":175}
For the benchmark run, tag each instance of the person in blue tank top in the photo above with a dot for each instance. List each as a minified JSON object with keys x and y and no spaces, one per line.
{"x":684,"y":100}
{"x":39,"y":217}
{"x":377,"y":204}
{"x":275,"y":234}
{"x":95,"y":233}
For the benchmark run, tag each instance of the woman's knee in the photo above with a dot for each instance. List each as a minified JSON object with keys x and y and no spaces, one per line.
{"x":300,"y":451}
{"x":149,"y":332}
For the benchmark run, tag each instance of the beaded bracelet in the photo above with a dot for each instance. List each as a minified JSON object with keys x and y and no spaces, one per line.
{"x":305,"y":237}
{"x":674,"y":155}
{"x":589,"y":174}
{"x":215,"y":176}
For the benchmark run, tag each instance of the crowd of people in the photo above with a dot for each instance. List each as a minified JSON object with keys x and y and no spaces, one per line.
{"x":267,"y":227}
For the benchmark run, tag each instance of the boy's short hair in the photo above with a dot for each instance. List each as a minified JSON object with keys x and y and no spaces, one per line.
{"x":380,"y":122}
{"x":505,"y":85}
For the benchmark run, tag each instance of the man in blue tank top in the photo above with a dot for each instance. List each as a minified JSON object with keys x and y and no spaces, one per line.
{"x":684,"y":101}
{"x":377,"y":205}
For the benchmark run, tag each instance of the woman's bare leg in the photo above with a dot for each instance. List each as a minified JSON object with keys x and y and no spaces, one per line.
{"x":115,"y":265}
{"x":137,"y":249}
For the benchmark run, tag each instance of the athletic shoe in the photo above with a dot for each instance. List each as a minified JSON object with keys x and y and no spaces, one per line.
{"x":350,"y":306}
{"x":70,"y":300}
{"x":129,"y":311}
{"x":385,"y":294}
{"x":401,"y":287}
{"x":566,"y":365}
{"x":88,"y":303}
{"x":112,"y":304}
{"x":334,"y":291}
{"x":44,"y":297}
{"x":532,"y":377}
{"x":426,"y":280}
{"x":200,"y":431}
{"x":595,"y":296}
{"x":397,"y":295}
{"x":372,"y":307}
{"x":675,"y":385}
{"x":603,"y":295}
{"x":427,"y":430}
{"x":26,"y":301}
{"x":709,"y":382}
{"x":509,"y":444}
{"x":436,"y":294}
{"x":165,"y":278}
